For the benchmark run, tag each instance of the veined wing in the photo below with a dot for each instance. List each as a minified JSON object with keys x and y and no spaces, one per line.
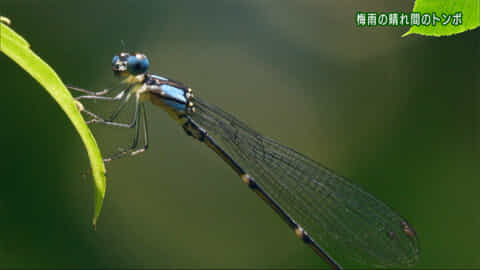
{"x":346,"y":221}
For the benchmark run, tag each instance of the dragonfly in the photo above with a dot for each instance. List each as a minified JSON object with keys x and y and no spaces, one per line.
{"x":338,"y":219}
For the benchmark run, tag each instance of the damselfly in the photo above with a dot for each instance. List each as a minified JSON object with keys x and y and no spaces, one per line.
{"x":326,"y":211}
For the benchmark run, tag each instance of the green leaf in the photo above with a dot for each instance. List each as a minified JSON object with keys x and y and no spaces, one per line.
{"x":18,"y":49}
{"x":470,"y":10}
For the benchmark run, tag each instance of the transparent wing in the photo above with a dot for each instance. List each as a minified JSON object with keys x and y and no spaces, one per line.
{"x":346,"y":221}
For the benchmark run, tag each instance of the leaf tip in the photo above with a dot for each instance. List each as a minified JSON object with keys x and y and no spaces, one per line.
{"x":406,"y":33}
{"x":5,"y":20}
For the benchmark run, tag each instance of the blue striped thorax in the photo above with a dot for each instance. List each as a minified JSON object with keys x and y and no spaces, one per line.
{"x":172,"y":96}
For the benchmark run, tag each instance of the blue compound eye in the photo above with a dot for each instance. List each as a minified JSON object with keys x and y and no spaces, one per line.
{"x":114,"y":60}
{"x":137,"y":64}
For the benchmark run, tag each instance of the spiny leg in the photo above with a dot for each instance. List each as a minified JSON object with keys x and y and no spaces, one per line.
{"x":98,"y":119}
{"x":136,"y":122}
{"x":124,"y":152}
{"x":82,"y":109}
{"x":98,"y":96}
{"x":145,"y":133}
{"x":120,"y":108}
{"x":131,"y":150}
{"x":91,"y":114}
{"x":95,"y":96}
{"x":88,"y":92}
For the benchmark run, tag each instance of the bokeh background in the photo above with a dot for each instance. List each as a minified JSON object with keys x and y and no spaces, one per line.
{"x":398,"y":115}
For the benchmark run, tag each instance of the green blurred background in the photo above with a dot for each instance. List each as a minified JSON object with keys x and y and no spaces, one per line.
{"x":397,"y":115}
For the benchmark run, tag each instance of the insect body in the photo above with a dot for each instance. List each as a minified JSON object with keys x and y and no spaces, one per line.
{"x":326,"y":211}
